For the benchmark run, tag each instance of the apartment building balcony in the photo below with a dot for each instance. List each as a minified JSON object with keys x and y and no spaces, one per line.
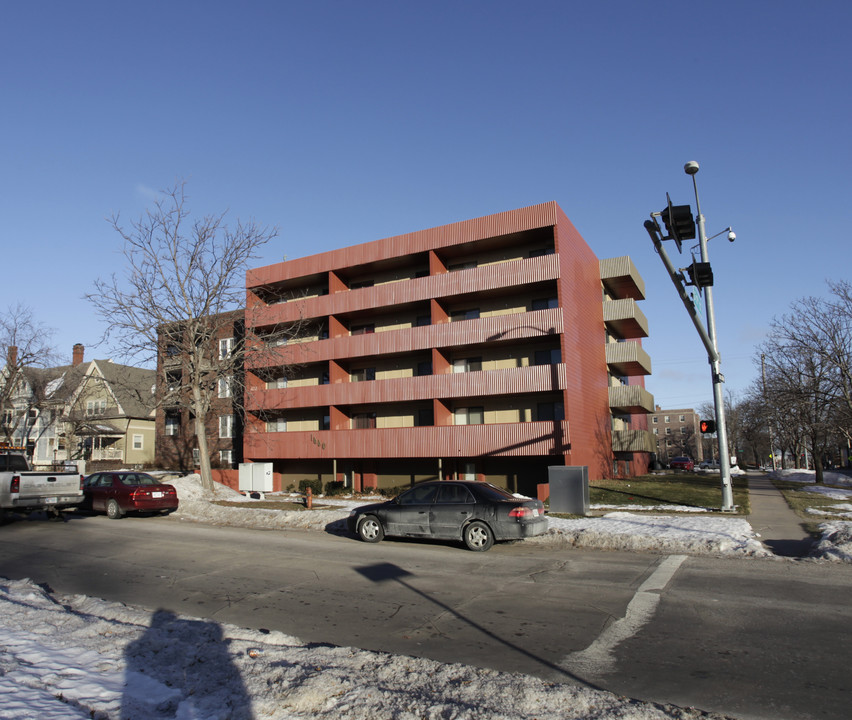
{"x":625,"y":318}
{"x":511,"y":381}
{"x":487,"y":279}
{"x":621,"y":278}
{"x":631,"y":399}
{"x":445,"y":441}
{"x":627,"y":358}
{"x":498,"y":328}
{"x":633,"y":441}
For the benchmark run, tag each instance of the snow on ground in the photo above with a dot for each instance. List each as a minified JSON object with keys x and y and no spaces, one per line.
{"x":71,"y":656}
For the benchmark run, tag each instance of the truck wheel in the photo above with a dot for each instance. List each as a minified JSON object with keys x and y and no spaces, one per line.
{"x":113,"y":511}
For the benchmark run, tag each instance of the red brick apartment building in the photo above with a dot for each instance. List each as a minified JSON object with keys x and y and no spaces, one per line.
{"x":488,"y":349}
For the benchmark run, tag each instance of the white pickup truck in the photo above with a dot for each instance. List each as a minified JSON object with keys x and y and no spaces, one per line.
{"x":24,"y":491}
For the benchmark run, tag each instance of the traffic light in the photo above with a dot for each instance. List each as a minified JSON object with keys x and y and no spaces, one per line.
{"x":679,"y":222}
{"x":707,"y":426}
{"x":700,"y":274}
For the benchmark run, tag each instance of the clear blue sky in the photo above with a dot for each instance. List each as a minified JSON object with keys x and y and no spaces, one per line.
{"x":345,"y":122}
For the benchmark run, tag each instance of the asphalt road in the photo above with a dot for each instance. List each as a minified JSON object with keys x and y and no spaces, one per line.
{"x":765,"y":639}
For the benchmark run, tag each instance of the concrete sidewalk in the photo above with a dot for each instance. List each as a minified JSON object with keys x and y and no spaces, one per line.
{"x":779,"y":528}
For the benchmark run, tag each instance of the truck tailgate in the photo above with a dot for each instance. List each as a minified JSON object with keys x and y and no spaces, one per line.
{"x":37,"y":484}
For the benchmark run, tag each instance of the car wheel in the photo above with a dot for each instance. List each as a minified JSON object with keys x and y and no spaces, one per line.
{"x":478,"y":537}
{"x":113,"y":511}
{"x":370,"y":529}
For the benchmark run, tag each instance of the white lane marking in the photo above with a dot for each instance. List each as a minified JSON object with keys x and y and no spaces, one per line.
{"x":599,"y":658}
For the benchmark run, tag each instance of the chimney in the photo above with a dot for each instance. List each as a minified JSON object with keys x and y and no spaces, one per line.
{"x":78,"y":355}
{"x":12,"y":356}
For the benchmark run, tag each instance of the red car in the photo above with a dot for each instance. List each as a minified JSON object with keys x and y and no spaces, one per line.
{"x":118,"y":493}
{"x":681,"y":463}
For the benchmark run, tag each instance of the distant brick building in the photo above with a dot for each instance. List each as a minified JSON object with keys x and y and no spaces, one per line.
{"x":177,"y":445}
{"x":676,"y":432}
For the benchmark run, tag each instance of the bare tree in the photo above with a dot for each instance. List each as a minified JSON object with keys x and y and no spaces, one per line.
{"x":24,"y":343}
{"x":182,"y":281}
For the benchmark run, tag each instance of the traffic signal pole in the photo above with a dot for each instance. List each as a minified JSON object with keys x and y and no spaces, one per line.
{"x":708,"y":335}
{"x":691,"y":168}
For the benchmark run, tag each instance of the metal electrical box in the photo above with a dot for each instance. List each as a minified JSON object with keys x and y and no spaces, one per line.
{"x":255,"y":477}
{"x":569,"y":489}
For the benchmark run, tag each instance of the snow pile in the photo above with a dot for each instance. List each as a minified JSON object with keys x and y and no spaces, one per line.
{"x":658,"y":533}
{"x":836,"y":541}
{"x":75,"y":657}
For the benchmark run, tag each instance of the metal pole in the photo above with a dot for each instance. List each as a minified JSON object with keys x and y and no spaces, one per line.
{"x":691,"y":168}
{"x":771,"y":441}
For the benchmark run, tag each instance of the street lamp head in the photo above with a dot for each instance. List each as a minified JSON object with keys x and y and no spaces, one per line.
{"x":691,"y":167}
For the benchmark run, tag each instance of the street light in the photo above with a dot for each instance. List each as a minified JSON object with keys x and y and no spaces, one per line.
{"x":691,"y":169}
{"x":677,"y":223}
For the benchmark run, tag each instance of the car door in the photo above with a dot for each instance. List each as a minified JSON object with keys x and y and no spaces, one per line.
{"x":410,"y":514}
{"x":452,"y":508}
{"x":99,"y":488}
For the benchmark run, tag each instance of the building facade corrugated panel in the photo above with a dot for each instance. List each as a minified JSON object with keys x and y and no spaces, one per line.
{"x":541,"y":378}
{"x":504,"y":223}
{"x":514,"y":274}
{"x":537,"y":323}
{"x":505,"y":440}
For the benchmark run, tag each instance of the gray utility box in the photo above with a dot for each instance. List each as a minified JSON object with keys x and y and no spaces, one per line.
{"x":569,"y":489}
{"x":256,"y":477}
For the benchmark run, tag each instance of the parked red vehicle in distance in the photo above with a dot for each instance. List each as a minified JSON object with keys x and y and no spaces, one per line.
{"x":681,"y":463}
{"x":122,"y":492}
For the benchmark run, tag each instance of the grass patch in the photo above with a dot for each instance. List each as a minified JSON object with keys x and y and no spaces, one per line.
{"x":698,"y":490}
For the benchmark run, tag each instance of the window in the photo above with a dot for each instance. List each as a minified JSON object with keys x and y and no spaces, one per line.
{"x":451,"y":494}
{"x":364,"y":421}
{"x":458,"y":315}
{"x":225,"y":384}
{"x":683,"y":418}
{"x":656,"y":431}
{"x":422,"y":321}
{"x":545,"y":303}
{"x":469,"y":265}
{"x":473,"y":364}
{"x":276,"y":425}
{"x":172,"y":424}
{"x":326,"y":422}
{"x":548,"y":357}
{"x":424,"y":368}
{"x":226,"y":457}
{"x":539,"y":252}
{"x":668,"y":431}
{"x":363,"y":329}
{"x":361,"y":284}
{"x":552,"y":411}
{"x":137,"y":442}
{"x":470,"y":416}
{"x":173,"y":380}
{"x":278,"y":383}
{"x":666,"y":418}
{"x":363,"y":374}
{"x":425,"y":417}
{"x":96,"y":407}
{"x":684,"y":430}
{"x":655,"y":419}
{"x":226,"y":426}
{"x":196,"y":456}
{"x":226,"y":347}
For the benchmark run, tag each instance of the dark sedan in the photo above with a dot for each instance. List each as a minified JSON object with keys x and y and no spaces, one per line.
{"x":118,"y":493}
{"x":477,"y":513}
